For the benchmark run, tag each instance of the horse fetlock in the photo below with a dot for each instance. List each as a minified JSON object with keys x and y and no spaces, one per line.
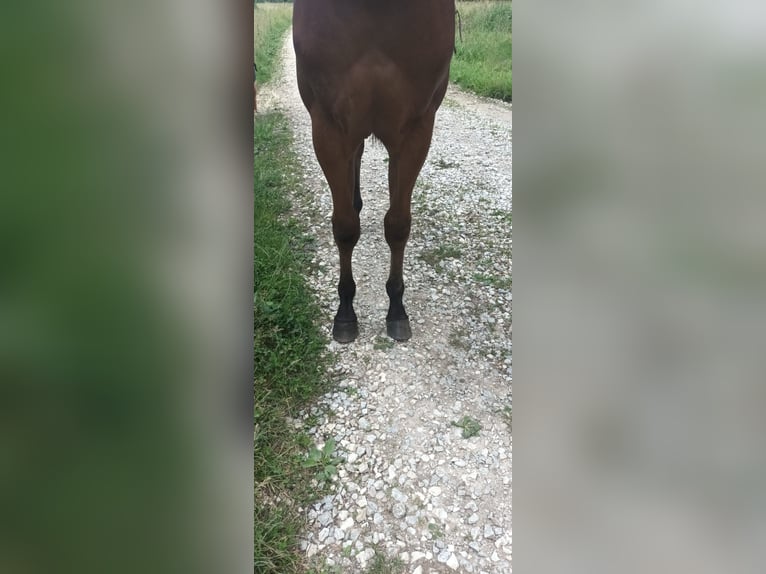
{"x":395,"y":289}
{"x":346,"y":291}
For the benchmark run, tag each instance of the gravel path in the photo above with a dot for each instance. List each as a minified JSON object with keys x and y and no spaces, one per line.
{"x":411,"y":486}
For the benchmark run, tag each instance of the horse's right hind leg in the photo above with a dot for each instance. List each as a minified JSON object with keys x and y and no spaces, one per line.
{"x":336,"y":156}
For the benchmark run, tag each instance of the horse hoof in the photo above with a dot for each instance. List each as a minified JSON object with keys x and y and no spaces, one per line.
{"x":399,"y":330}
{"x":345,"y":331}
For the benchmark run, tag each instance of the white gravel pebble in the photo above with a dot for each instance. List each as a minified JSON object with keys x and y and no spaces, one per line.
{"x":409,"y":483}
{"x":452,"y":562}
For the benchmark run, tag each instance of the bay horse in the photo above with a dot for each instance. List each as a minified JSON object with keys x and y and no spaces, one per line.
{"x":372,"y":68}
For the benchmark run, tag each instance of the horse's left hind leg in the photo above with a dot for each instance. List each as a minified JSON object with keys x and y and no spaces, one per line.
{"x":404,"y":166}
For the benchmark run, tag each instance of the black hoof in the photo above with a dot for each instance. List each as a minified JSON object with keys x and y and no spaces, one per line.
{"x":399,"y":330}
{"x":345,"y":331}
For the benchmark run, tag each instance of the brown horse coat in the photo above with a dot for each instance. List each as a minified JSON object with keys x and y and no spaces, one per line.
{"x":372,"y":67}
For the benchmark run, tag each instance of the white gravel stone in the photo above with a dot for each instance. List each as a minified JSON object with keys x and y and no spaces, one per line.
{"x":364,"y":556}
{"x":347,"y":524}
{"x":453,"y":562}
{"x":398,"y":495}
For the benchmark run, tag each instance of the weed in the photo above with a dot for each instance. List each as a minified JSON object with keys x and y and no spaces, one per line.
{"x":383,"y":564}
{"x":507,"y":416}
{"x":322,"y":461}
{"x":435,"y":530}
{"x":503,"y":214}
{"x":492,"y":281}
{"x":441,"y":164}
{"x":436,"y":256}
{"x":470,"y":426}
{"x":382,"y":344}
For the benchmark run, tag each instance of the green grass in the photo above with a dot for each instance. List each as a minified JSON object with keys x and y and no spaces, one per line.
{"x":483,"y":62}
{"x":289,"y":358}
{"x":271,"y":21}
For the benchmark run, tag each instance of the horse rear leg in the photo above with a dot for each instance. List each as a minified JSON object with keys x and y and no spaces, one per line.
{"x":336,"y":156}
{"x":404,"y":166}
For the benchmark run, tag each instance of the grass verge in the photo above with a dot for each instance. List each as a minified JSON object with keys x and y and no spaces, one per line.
{"x":483,"y":62}
{"x":290,"y":356}
{"x":271,"y":21}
